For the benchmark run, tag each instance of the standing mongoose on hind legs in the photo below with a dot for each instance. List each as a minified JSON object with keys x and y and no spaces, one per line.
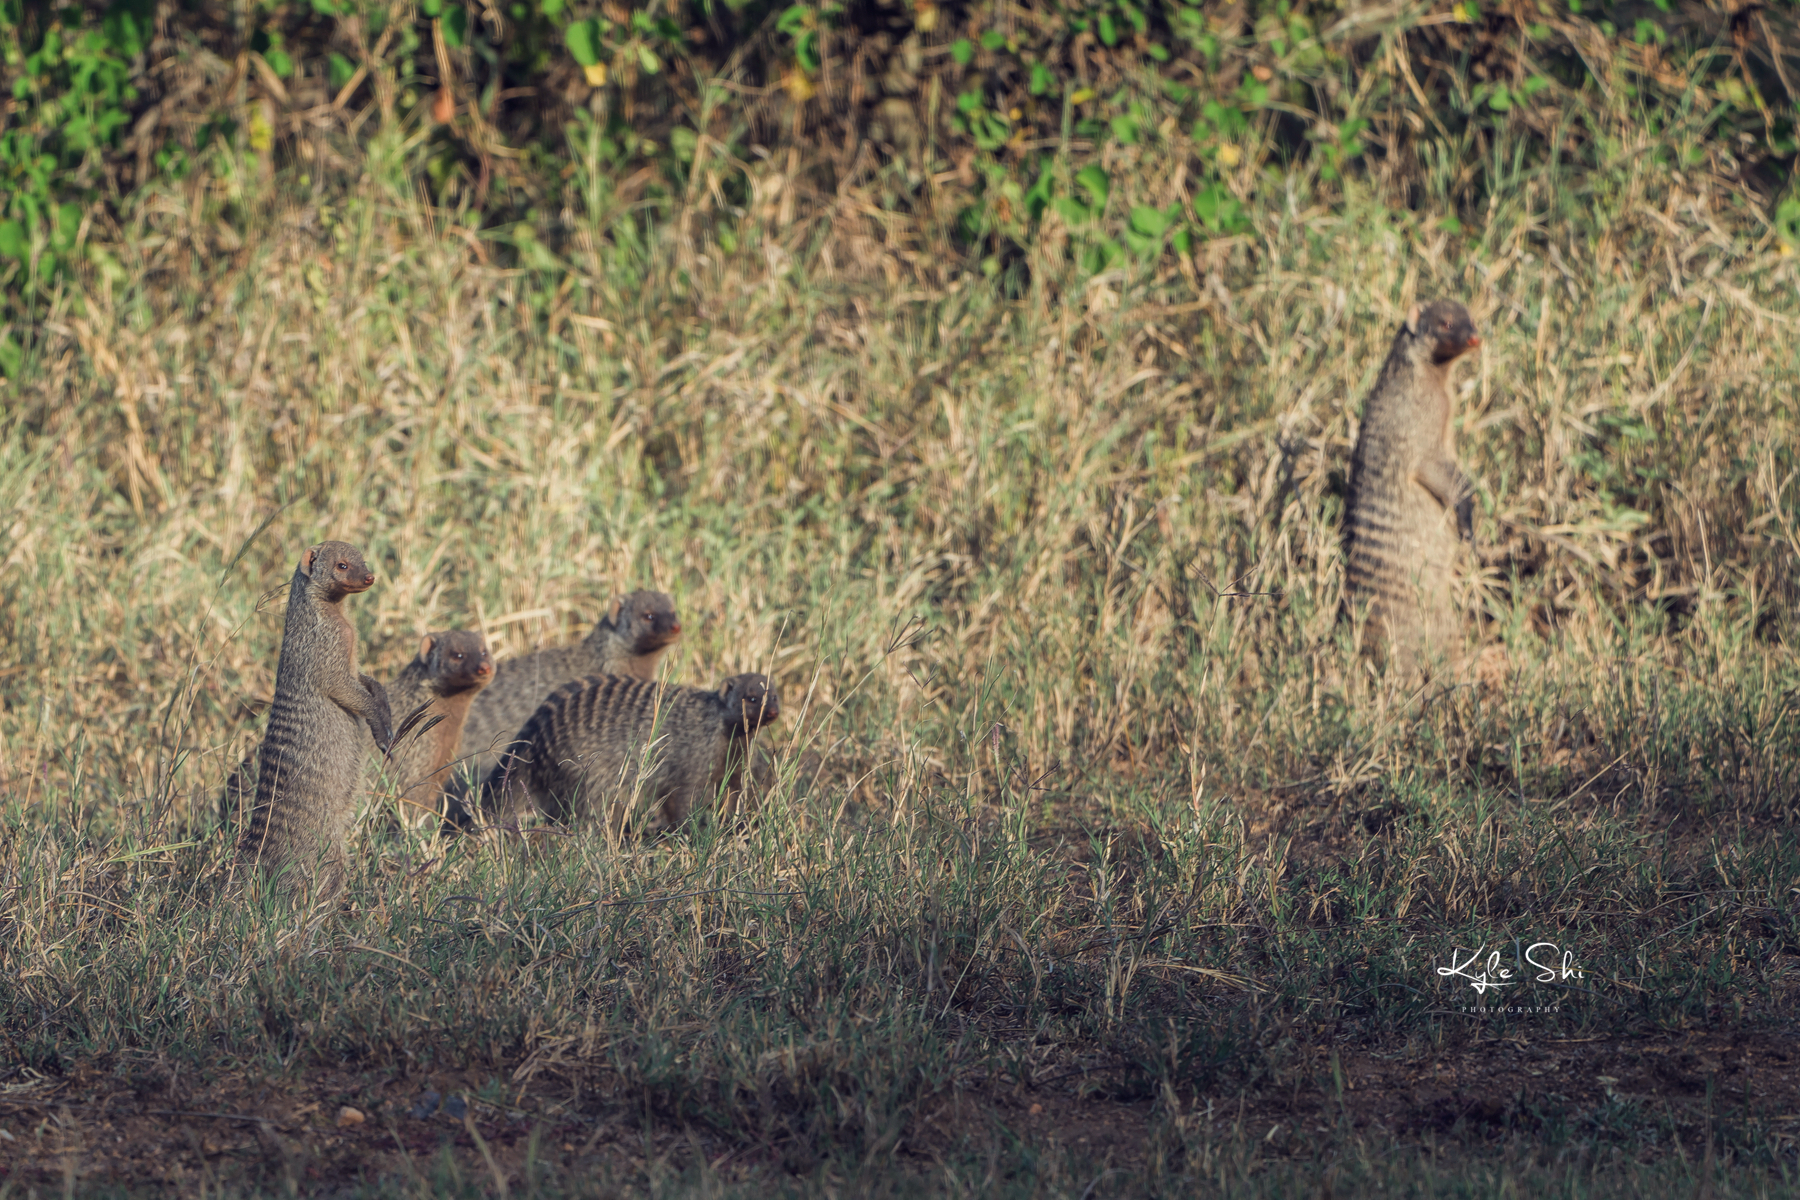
{"x":595,"y":742}
{"x":314,"y":751}
{"x":628,"y":641}
{"x":449,"y":671}
{"x":1399,"y":546}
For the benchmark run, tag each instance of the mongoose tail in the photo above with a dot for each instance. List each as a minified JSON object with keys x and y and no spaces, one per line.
{"x":1404,"y":478}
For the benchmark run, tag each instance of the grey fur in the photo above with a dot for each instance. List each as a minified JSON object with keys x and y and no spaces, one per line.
{"x":600,"y":742}
{"x":451,"y":669}
{"x":628,"y":640}
{"x":1400,"y":547}
{"x":315,"y":750}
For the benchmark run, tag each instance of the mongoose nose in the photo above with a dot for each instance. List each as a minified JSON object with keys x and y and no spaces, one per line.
{"x":485,"y":669}
{"x":1474,"y":341}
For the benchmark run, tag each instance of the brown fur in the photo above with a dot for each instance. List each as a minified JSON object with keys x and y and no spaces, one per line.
{"x":1400,"y":545}
{"x":603,"y":742}
{"x":315,"y":751}
{"x":449,"y":672}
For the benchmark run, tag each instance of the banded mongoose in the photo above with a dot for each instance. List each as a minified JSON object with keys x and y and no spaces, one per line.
{"x":314,"y":753}
{"x":1399,"y":547}
{"x":598,"y":743}
{"x":628,"y":640}
{"x":450,"y":669}
{"x":449,"y":672}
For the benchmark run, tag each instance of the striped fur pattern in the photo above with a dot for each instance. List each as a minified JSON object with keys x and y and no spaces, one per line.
{"x":315,"y":750}
{"x":449,"y":672}
{"x":628,"y":640}
{"x":1400,"y":546}
{"x":451,"y":668}
{"x":621,"y":746}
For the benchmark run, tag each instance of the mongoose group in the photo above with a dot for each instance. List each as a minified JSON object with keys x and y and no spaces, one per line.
{"x":549,"y":730}
{"x":587,"y":729}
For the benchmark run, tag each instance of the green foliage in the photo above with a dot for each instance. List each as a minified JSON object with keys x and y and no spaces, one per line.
{"x":586,"y":41}
{"x":803,"y":25}
{"x":1278,"y":84}
{"x":1618,"y":460}
{"x":1219,"y":211}
{"x":1787,"y":220}
{"x":72,"y":89}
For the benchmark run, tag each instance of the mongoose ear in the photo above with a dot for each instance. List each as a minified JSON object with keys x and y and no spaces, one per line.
{"x":425,"y":646}
{"x":1412,"y":318}
{"x":306,"y":563}
{"x":617,"y":604}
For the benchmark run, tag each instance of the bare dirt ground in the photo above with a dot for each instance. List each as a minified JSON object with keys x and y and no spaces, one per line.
{"x":142,"y":1125}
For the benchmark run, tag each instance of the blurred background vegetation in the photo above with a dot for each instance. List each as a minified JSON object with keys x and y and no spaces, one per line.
{"x":955,"y":131}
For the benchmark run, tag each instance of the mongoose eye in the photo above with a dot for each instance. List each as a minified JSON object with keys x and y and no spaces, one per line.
{"x":343,"y":566}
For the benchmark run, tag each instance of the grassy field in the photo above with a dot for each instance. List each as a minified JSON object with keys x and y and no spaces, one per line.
{"x":1100,"y":865}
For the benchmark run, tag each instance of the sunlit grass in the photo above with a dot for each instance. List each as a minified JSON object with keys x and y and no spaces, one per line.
{"x":1084,"y":799}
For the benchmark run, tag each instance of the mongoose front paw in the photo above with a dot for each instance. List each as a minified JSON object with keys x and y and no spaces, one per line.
{"x":381,"y":715}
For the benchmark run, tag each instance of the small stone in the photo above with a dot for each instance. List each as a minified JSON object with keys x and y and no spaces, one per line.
{"x":455,"y":1107}
{"x":349,"y":1116}
{"x":1036,"y":1109}
{"x":428,"y":1104}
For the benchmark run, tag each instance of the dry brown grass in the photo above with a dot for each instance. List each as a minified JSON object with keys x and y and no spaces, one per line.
{"x":1093,"y":832}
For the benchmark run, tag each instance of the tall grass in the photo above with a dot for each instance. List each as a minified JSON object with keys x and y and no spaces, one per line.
{"x":1086,"y":803}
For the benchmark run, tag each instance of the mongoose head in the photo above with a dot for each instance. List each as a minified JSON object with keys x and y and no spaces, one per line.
{"x":456,"y":661}
{"x":646,"y":621}
{"x":750,"y":702}
{"x":336,"y":570}
{"x":1441,"y":331}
